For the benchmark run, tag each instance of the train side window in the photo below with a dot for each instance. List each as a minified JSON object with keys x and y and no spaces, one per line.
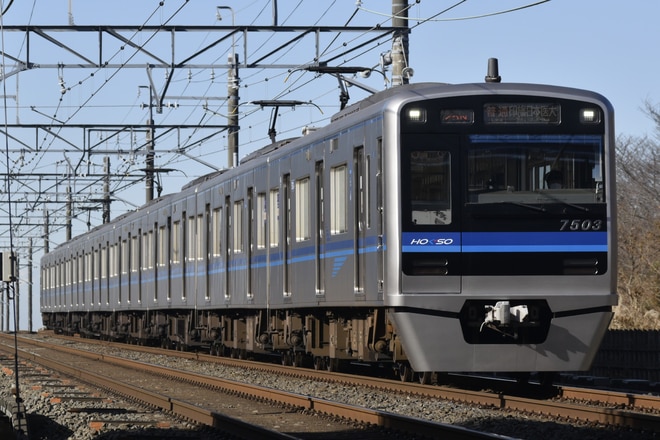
{"x":274,"y":217}
{"x":338,"y":199}
{"x":302,"y":210}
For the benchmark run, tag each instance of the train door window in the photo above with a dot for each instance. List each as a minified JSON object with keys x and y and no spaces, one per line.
{"x":81,"y":276}
{"x":176,"y":237}
{"x":190,"y":239}
{"x":302,"y":209}
{"x":261,"y":220}
{"x":238,"y":226}
{"x":124,"y":265}
{"x":124,"y":257}
{"x":227,"y":220}
{"x":146,"y":251}
{"x":338,"y":200}
{"x":186,"y":226}
{"x":367,"y":191}
{"x":67,"y":269}
{"x":88,"y":276}
{"x":320,"y":229}
{"x":104,"y":263}
{"x":162,"y":246}
{"x":250,"y":239}
{"x":153,"y":255}
{"x":199,"y":237}
{"x":379,"y":214}
{"x":135,"y":254}
{"x":114,"y":261}
{"x":88,"y":267}
{"x":286,"y":227}
{"x":360,"y":201}
{"x":430,"y":187}
{"x":96,"y":274}
{"x":274,"y":218}
{"x":166,"y":258}
{"x":68,"y":279}
{"x":216,"y":232}
{"x":76,"y":277}
{"x":95,"y":270}
{"x":208,"y":236}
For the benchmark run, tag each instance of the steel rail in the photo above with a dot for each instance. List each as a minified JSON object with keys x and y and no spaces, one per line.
{"x":571,"y":411}
{"x":211,"y":418}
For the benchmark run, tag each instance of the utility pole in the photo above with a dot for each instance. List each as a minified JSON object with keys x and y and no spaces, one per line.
{"x":69,"y":214}
{"x":30,"y":284}
{"x":401,"y":72}
{"x":232,"y":94}
{"x":232,"y":111}
{"x":106,"y":190}
{"x":46,"y":232}
{"x":149,"y":162}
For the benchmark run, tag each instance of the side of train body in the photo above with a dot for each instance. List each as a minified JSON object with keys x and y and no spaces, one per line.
{"x":420,"y":228}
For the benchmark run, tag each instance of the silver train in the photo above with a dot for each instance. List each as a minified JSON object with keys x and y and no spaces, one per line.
{"x":435,"y":227}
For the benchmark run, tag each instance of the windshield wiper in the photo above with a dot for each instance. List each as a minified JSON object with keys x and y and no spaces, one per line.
{"x":524,"y":205}
{"x":564,"y":202}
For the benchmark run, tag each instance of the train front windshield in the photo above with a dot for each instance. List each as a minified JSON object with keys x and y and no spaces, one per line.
{"x":530,"y":168}
{"x":503,"y":196}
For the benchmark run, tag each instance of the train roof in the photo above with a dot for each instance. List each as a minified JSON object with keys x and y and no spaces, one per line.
{"x":382,"y":96}
{"x":202,"y":179}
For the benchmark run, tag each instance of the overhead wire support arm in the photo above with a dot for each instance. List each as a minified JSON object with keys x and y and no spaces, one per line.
{"x":276,"y":104}
{"x":338,"y":72}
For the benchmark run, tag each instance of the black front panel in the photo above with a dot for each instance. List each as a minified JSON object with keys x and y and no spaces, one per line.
{"x":506,"y":186}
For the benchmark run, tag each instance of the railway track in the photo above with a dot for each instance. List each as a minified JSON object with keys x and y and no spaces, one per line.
{"x":623,"y":409}
{"x":171,"y":390}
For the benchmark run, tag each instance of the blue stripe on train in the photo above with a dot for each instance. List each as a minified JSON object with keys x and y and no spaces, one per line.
{"x":595,"y":241}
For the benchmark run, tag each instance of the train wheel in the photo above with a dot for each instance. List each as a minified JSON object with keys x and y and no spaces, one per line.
{"x":331,"y":364}
{"x":319,"y":363}
{"x":298,"y":359}
{"x":405,"y":373}
{"x":425,"y":377}
{"x":286,"y":358}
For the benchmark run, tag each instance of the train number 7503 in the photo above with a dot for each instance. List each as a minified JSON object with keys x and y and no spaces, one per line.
{"x":580,"y":225}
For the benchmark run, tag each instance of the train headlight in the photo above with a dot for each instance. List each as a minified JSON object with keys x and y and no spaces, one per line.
{"x":416,"y":115}
{"x":590,"y":116}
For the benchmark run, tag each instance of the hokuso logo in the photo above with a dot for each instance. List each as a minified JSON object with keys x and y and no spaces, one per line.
{"x":433,"y":241}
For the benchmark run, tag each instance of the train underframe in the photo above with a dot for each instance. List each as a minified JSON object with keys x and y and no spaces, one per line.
{"x":327,"y":339}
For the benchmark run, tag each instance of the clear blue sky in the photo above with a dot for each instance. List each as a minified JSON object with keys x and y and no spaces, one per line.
{"x":603,"y":45}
